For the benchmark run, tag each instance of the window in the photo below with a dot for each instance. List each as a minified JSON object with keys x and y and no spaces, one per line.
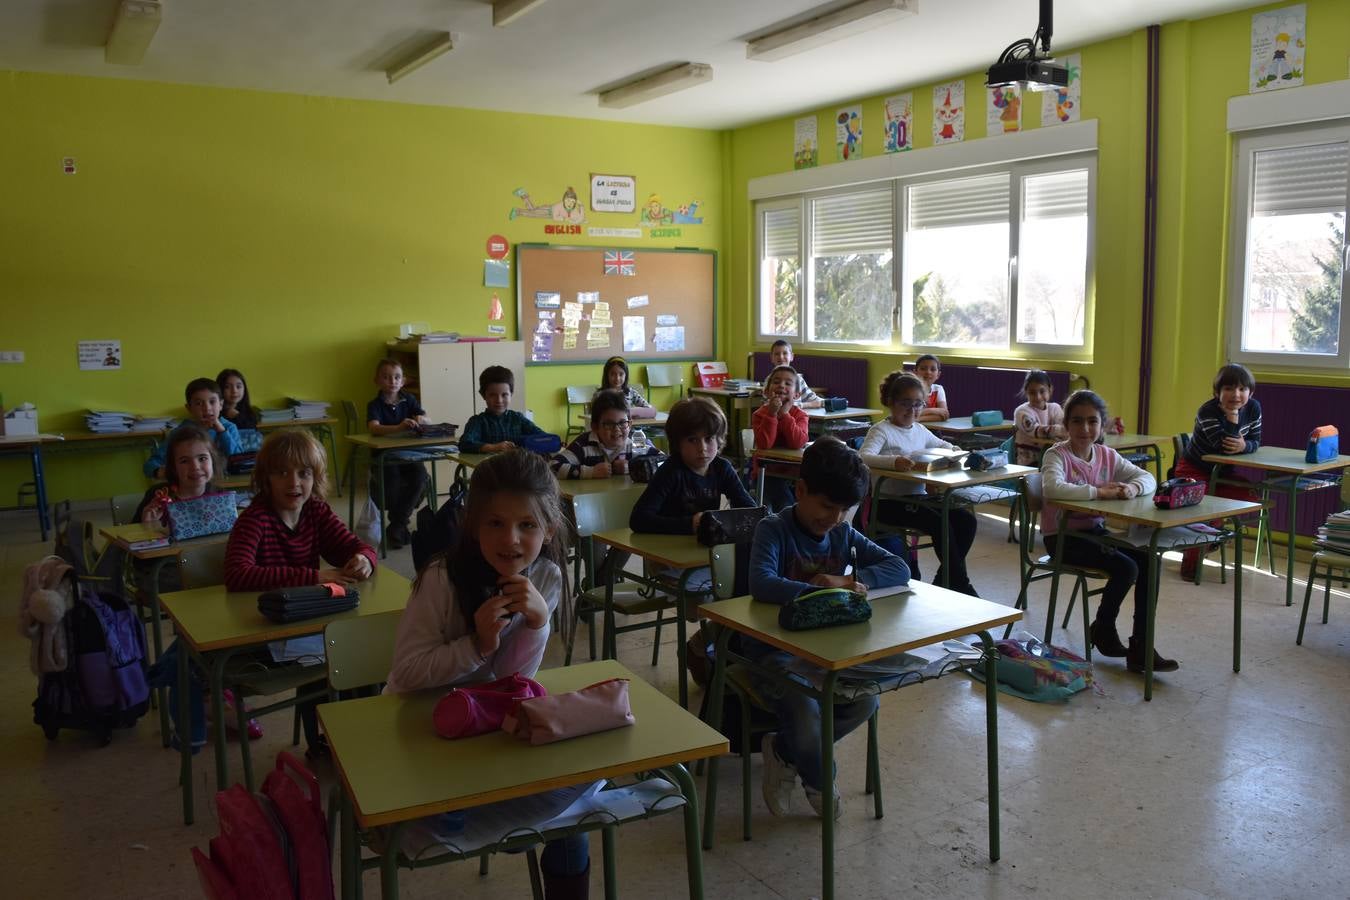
{"x":1286,"y":287}
{"x":994,"y":259}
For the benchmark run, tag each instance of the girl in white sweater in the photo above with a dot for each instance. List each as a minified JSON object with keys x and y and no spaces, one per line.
{"x":890,"y":444}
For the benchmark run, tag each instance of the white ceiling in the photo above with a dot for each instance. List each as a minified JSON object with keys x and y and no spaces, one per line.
{"x":554,"y":59}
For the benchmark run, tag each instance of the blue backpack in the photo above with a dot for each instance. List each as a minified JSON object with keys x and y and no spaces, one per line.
{"x":105,"y":685}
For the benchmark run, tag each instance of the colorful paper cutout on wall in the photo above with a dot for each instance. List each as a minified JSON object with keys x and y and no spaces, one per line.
{"x":495,"y":308}
{"x":620,"y":262}
{"x":541,"y":348}
{"x":899,"y":112}
{"x":1003,"y":114}
{"x":568,"y":209}
{"x":496,"y":273}
{"x":1064,"y":104}
{"x":547,"y":299}
{"x":634,"y":334}
{"x":669,"y":339}
{"x":848,"y":133}
{"x":805,"y":145}
{"x":1279,"y":46}
{"x":949,"y":113}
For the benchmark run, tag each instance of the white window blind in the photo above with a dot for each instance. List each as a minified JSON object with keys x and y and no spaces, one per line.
{"x":1300,"y":180}
{"x":966,"y":201}
{"x":1055,"y":196}
{"x":782,"y":232}
{"x":852,"y":223}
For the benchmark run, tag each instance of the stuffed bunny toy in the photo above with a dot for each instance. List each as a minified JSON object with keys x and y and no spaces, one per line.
{"x":48,"y":594}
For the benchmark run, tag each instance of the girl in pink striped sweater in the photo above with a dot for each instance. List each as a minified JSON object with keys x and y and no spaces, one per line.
{"x":1082,"y":469}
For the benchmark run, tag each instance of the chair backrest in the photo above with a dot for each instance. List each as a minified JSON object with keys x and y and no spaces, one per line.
{"x":360,"y":650}
{"x":579,"y":394}
{"x":666,"y":375}
{"x":602,"y":511}
{"x":123,"y":507}
{"x":201,"y":565}
{"x":349,"y":413}
{"x":1027,"y":508}
{"x":1179,"y":444}
{"x":722,"y":561}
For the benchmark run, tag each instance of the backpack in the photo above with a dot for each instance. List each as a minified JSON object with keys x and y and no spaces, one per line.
{"x":105,"y":686}
{"x":435,"y":531}
{"x":272,"y":845}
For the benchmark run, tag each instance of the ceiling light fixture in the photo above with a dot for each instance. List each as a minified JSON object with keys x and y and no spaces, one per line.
{"x":133,"y":28}
{"x":668,"y":82}
{"x":827,"y":28}
{"x":504,"y":12}
{"x":437,"y":46}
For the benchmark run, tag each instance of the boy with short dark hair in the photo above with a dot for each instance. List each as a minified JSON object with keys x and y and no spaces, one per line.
{"x":780,"y":354}
{"x":395,"y":411}
{"x":929,"y":369}
{"x":604,"y":450}
{"x":498,"y":427}
{"x":203,"y":403}
{"x":805,"y":548}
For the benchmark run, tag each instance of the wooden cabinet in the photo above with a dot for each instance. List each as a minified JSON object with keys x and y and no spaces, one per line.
{"x":445,"y":376}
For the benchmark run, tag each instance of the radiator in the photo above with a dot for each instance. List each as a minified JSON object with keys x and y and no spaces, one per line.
{"x":829,"y":376}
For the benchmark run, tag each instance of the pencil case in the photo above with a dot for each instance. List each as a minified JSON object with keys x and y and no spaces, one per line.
{"x":985,"y":417}
{"x":212,"y":513}
{"x":295,"y":604}
{"x":824,"y":609}
{"x":602,"y":706}
{"x":479,"y":708}
{"x":983,"y":460}
{"x":547,"y":444}
{"x":1324,"y":443}
{"x":835,"y":404}
{"x":1176,"y":493}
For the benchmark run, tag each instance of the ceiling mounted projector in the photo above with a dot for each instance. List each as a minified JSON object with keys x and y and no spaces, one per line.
{"x":1020,"y":64}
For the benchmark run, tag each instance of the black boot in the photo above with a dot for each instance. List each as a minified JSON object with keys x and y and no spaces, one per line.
{"x":1105,"y":639}
{"x":568,"y":887}
{"x":1134,"y":660}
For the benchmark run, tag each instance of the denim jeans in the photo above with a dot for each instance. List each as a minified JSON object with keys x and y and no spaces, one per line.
{"x":798,"y":740}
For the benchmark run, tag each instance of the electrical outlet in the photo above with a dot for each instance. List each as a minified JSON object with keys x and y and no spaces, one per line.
{"x":11,"y":356}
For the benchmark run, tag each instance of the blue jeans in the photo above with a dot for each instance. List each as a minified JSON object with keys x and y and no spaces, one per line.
{"x":566,"y":856}
{"x":798,"y":740}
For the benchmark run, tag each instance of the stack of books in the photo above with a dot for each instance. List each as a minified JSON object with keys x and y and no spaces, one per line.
{"x":269,"y":416}
{"x":436,"y":337}
{"x":1335,"y":534}
{"x":308,"y":409}
{"x":152,"y":423}
{"x":103,"y":421}
{"x":741,"y":385}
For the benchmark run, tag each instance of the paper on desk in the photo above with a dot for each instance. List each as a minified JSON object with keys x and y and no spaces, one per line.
{"x":307,"y":650}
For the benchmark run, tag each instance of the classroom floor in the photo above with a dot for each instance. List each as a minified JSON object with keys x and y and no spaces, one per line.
{"x":1225,"y":785}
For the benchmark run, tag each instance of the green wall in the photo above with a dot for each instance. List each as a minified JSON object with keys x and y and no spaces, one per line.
{"x":283,"y":235}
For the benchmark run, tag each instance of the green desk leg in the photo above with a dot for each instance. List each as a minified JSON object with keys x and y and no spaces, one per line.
{"x":325,"y":433}
{"x":1293,"y":539}
{"x":693,"y":852}
{"x":607,"y":836}
{"x":990,"y":737}
{"x":350,"y":850}
{"x":715,"y":696}
{"x":827,"y":790}
{"x":161,"y":694}
{"x":1054,"y":575}
{"x":217,"y":688}
{"x":1150,"y":626}
{"x":948,"y":498}
{"x":384,"y":497}
{"x":1237,"y":594}
{"x":610,"y":650}
{"x":389,"y":863}
{"x":185,"y":740}
{"x":682,"y":600}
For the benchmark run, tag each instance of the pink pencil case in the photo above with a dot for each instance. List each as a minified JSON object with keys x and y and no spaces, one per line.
{"x":602,"y":706}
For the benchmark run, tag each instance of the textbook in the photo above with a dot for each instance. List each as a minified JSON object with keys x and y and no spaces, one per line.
{"x":936,"y":459}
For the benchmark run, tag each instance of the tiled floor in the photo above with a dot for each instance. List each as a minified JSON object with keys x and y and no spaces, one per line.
{"x":1226,"y":785}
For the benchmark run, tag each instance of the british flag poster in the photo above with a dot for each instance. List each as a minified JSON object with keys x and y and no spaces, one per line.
{"x":620,"y":262}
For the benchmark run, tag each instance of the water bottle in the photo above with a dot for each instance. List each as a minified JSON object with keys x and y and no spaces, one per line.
{"x":639,"y":443}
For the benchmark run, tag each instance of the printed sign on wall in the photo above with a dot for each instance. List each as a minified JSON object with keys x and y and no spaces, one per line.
{"x":613,"y":193}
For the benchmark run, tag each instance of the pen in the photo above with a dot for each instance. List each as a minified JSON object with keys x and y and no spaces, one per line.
{"x":853,"y":551}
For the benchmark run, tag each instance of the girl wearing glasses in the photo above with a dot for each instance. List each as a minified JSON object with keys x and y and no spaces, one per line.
{"x":604,"y":451}
{"x":890,"y":444}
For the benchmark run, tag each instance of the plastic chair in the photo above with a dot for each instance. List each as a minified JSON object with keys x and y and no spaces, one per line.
{"x":123,"y":508}
{"x":201,"y":565}
{"x":1038,"y":568}
{"x":722,"y":559}
{"x":600,"y":512}
{"x":665,"y":375}
{"x":578,"y":398}
{"x":1330,"y":561}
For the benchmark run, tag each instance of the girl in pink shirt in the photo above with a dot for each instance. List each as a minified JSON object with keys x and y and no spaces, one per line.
{"x":1082,"y":469}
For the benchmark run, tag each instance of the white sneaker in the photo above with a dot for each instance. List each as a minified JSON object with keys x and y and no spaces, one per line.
{"x":780,"y":778}
{"x":815,"y":798}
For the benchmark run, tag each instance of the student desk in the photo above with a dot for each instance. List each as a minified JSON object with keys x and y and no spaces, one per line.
{"x":377,"y":456}
{"x":1165,"y":532}
{"x":394,"y":767}
{"x":322,"y":429}
{"x":657,"y":421}
{"x":214,"y":624}
{"x":30,"y":445}
{"x":773,"y":455}
{"x":681,"y":552}
{"x":1277,"y":461}
{"x":156,"y":558}
{"x":925,"y":615}
{"x":732,"y":402}
{"x":965,"y":485}
{"x":237,"y":483}
{"x":1149,"y":444}
{"x":849,"y":412}
{"x":962,"y":431}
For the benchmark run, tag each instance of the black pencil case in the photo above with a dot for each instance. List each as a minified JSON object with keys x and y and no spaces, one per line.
{"x":299,"y":603}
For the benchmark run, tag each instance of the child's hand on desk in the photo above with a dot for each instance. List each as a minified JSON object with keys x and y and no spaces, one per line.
{"x":499,"y":447}
{"x":619,"y":466}
{"x":524,"y":598}
{"x":1115,"y":491}
{"x":333,"y":576}
{"x":838,"y":581}
{"x":410,"y":423}
{"x":358,"y":568}
{"x":697,"y":516}
{"x":488,"y":623}
{"x":600,"y":470}
{"x":903,"y":464}
{"x":1234,"y":444}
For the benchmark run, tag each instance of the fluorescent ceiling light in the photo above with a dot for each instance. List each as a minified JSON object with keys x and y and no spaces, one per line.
{"x":437,"y":46}
{"x":133,"y":29}
{"x":828,"y":27}
{"x":504,"y":12}
{"x":658,"y":85}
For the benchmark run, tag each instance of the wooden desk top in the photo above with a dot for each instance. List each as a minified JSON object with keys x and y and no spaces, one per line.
{"x":90,"y":437}
{"x":27,"y":440}
{"x":779,"y":454}
{"x":576,"y":487}
{"x":295,"y":423}
{"x":1141,"y":511}
{"x":1277,"y":459}
{"x":643,"y":422}
{"x":125,"y":535}
{"x":852,"y":412}
{"x":963,"y":425}
{"x":401,"y":442}
{"x":926,"y":615}
{"x":725,"y":392}
{"x":211,"y":618}
{"x":1118,"y":441}
{"x":678,"y":551}
{"x":395,"y":767}
{"x":958,"y":478}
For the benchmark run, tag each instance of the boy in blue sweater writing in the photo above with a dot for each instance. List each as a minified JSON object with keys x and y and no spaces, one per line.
{"x":203,"y":406}
{"x":498,"y":427}
{"x":807,"y":547}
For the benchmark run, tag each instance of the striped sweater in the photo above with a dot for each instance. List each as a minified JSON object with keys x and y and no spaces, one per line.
{"x":1212,"y":426}
{"x":264,"y":554}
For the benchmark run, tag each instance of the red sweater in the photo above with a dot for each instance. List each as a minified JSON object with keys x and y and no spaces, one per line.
{"x":263,"y":553}
{"x":788,"y":431}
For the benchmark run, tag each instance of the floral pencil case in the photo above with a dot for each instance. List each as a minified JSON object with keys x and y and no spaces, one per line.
{"x":199,"y":516}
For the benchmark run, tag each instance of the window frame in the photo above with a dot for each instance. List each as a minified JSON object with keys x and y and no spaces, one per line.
{"x":1018,"y":169}
{"x":761,"y":238}
{"x":1245,"y":147}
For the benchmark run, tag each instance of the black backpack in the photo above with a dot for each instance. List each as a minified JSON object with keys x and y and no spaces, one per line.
{"x":436,"y":531}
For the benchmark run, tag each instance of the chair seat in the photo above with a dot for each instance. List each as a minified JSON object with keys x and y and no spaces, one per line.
{"x":255,"y":682}
{"x":1048,"y":562}
{"x":1331,"y":559}
{"x":742,"y":679}
{"x":627,"y":602}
